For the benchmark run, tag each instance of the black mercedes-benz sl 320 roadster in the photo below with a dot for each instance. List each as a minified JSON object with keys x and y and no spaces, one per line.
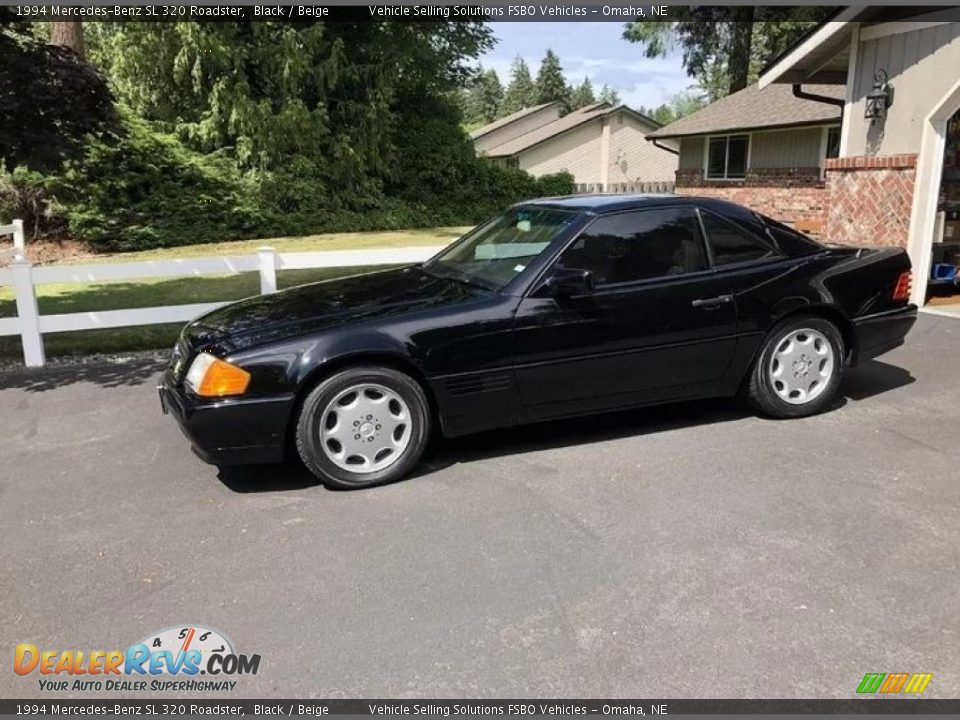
{"x":558,"y":307}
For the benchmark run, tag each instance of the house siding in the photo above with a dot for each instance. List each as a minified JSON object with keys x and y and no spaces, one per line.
{"x":797,"y":148}
{"x":576,"y":151}
{"x":511,"y":131}
{"x":691,"y":153}
{"x":634,"y":158}
{"x":921,"y":67}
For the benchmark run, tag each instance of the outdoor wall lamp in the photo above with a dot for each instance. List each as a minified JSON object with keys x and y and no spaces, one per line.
{"x":879,"y":98}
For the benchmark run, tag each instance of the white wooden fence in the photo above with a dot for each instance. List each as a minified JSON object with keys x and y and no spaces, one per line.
{"x":30,"y":325}
{"x":637,"y":186}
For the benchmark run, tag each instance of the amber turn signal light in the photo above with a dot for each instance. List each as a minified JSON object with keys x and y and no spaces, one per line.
{"x":211,"y":377}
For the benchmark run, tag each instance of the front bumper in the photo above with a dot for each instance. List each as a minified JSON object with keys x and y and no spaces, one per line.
{"x":880,"y":332}
{"x":231,"y":431}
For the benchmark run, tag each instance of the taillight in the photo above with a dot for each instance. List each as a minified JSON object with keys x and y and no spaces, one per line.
{"x":901,"y":290}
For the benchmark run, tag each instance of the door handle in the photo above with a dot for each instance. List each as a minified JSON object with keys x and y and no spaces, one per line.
{"x":712,"y":302}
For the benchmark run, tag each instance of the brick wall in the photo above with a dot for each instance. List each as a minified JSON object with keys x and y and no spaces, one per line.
{"x":870,"y":199}
{"x":787,"y":194}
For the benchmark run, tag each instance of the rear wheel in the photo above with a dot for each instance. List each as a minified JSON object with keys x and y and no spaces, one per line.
{"x":799,"y":369}
{"x":363,"y":426}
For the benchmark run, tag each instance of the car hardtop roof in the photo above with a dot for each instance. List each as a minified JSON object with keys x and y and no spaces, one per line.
{"x":606,"y":202}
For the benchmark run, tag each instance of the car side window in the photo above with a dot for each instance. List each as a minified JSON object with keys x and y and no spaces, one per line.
{"x":729,"y":243}
{"x":640,"y":245}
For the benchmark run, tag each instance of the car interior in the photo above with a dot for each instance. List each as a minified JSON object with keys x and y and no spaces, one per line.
{"x":625,"y":248}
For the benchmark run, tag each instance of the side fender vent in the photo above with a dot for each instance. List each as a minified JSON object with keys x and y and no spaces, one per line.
{"x":494,"y":382}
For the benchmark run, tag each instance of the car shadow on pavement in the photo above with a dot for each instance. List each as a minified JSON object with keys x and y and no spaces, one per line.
{"x":867,"y":380}
{"x":873,"y":378}
{"x":288,"y":475}
{"x":444,"y":453}
{"x":580,"y":431}
{"x":108,"y":374}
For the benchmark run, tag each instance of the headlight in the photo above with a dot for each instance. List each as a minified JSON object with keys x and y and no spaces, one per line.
{"x":211,"y":377}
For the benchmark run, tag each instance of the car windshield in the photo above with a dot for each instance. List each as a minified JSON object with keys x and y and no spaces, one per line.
{"x":496,"y":252}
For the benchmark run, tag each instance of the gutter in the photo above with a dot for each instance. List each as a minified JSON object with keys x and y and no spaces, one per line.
{"x":663,"y":147}
{"x":798,"y":92}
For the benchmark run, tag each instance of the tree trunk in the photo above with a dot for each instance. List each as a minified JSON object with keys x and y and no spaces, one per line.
{"x":741,"y":36}
{"x":68,"y":35}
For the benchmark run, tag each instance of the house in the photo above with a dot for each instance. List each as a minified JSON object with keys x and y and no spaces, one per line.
{"x":513,"y":126}
{"x":854,"y":131}
{"x":896,"y":180}
{"x":765,"y":148}
{"x":600,"y":145}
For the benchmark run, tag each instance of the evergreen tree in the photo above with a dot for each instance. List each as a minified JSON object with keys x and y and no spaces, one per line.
{"x":521,"y":92}
{"x":680,"y":104}
{"x":609,"y":95}
{"x":551,"y":85}
{"x":69,"y":35}
{"x":482,"y":98}
{"x":582,"y":95}
{"x":491,"y":94}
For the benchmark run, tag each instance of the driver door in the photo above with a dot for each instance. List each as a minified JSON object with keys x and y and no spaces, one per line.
{"x":660,"y":323}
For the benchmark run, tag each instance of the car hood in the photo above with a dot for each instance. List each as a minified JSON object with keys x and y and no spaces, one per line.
{"x":319,"y":306}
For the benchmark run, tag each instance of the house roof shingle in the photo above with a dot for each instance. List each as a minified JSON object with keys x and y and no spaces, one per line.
{"x":753,"y":108}
{"x":561,"y":125}
{"x":496,"y":124}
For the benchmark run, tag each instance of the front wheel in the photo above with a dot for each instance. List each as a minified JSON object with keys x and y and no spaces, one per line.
{"x":799,"y":368}
{"x":363,"y":426}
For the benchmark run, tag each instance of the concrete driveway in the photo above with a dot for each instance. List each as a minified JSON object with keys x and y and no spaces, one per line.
{"x":687,"y":551}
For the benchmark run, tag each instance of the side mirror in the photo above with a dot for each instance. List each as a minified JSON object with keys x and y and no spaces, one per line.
{"x":566,"y":282}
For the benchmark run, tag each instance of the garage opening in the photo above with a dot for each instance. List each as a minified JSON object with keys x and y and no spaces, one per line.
{"x":943,"y":285}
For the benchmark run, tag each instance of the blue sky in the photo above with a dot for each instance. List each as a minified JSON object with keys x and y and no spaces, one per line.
{"x":596,"y":50}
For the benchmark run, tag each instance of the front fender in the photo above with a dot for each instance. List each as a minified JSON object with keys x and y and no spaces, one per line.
{"x":285,"y":367}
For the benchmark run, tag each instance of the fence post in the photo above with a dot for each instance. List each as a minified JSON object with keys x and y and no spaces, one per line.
{"x":27,"y":312}
{"x":268,"y":270}
{"x":19,"y":244}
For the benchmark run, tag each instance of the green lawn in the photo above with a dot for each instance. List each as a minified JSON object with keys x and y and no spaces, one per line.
{"x":331,"y":241}
{"x":130,"y":294}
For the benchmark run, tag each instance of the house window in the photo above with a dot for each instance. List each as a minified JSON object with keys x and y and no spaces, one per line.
{"x":727,"y":157}
{"x":833,"y":142}
{"x":513,"y":163}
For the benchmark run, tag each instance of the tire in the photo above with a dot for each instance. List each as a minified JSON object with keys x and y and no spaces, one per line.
{"x":363,"y":426}
{"x":799,"y":368}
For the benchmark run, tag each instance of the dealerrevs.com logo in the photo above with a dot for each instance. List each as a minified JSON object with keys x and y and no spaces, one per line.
{"x":172,"y":659}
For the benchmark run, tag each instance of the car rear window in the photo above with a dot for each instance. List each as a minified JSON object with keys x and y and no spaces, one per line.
{"x":730,"y":243}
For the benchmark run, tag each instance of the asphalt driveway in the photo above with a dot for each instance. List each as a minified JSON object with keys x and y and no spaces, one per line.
{"x":688,"y":551}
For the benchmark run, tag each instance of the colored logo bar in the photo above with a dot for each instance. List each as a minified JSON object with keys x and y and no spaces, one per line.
{"x":893,"y":683}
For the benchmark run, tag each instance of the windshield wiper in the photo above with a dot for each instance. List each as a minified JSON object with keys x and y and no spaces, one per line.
{"x":450,"y":273}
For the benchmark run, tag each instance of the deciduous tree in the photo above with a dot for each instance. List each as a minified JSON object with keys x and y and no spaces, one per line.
{"x":728,"y":42}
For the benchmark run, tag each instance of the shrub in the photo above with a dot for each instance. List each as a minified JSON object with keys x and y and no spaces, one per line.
{"x":140,"y":189}
{"x":144,"y":189}
{"x":26,"y":195}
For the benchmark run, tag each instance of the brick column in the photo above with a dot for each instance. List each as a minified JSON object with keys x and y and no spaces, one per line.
{"x":870,"y":199}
